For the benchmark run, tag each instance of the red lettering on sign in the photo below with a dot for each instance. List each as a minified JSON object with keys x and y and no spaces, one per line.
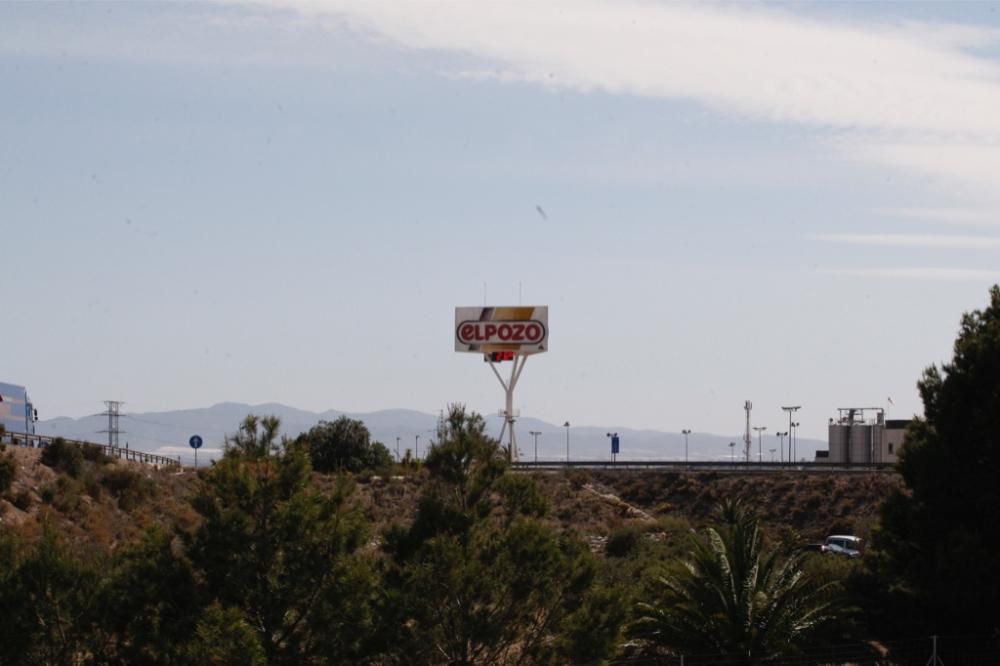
{"x":480,"y":332}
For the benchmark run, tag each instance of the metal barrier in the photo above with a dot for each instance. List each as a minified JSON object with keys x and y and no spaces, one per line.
{"x":42,"y":441}
{"x":706,"y":466}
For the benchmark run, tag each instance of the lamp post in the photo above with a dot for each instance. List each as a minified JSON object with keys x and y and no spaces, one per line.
{"x":566,"y":425}
{"x":732,"y":452}
{"x":792,"y":441}
{"x":535,"y":434}
{"x":417,"y":447}
{"x":781,"y":442}
{"x":760,"y":452}
{"x":685,"y":432}
{"x":791,"y":410}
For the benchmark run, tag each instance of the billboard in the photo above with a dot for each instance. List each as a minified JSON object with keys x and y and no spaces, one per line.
{"x":522,"y":329}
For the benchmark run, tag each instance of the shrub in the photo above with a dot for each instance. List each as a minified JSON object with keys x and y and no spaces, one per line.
{"x":22,"y":500}
{"x":63,"y":456}
{"x":623,"y":542}
{"x":578,"y":478}
{"x":94,"y":453}
{"x":8,"y":470}
{"x":127,"y":486}
{"x":67,"y":498}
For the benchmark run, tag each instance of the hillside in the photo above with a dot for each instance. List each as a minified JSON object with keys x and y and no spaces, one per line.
{"x":111,"y":501}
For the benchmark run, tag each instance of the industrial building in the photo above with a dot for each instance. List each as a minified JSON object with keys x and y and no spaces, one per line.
{"x":17,"y":414}
{"x":863,"y":435}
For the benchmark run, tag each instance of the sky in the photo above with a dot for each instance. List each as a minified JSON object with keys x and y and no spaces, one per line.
{"x":284,"y":201}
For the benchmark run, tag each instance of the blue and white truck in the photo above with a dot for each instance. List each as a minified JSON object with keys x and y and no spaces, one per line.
{"x":17,"y":414}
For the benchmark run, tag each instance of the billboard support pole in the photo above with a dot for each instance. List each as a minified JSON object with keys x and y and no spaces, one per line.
{"x":508,"y":414}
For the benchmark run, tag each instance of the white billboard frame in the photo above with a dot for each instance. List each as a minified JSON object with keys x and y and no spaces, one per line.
{"x":522,"y":329}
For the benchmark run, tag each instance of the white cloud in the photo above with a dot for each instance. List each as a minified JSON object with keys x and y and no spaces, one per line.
{"x":933,"y":274}
{"x":915,"y":240}
{"x":946,"y":215}
{"x":745,"y":58}
{"x":920,"y":95}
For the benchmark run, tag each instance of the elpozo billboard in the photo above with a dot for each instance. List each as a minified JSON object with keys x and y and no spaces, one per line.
{"x":523,"y":329}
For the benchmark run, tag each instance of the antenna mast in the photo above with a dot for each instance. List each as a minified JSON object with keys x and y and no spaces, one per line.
{"x":747,"y":406}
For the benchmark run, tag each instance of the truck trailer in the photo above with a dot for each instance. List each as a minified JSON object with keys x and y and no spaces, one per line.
{"x":17,"y":414}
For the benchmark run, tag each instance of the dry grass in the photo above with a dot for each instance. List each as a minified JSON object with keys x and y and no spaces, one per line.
{"x":111,"y":501}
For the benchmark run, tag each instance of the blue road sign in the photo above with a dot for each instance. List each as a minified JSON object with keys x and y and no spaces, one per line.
{"x":614,"y":444}
{"x":195,"y":442}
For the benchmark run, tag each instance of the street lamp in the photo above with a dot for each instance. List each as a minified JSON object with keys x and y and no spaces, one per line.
{"x":732,"y":452}
{"x":760,"y":453}
{"x":566,"y":425}
{"x":790,"y":410}
{"x":781,"y":442}
{"x":792,"y":441}
{"x":685,"y":433}
{"x":535,"y":434}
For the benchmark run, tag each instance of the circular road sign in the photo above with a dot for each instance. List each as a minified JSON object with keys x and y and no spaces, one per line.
{"x":195,"y":442}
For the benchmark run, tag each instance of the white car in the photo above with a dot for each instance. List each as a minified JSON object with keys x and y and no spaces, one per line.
{"x":840,"y":544}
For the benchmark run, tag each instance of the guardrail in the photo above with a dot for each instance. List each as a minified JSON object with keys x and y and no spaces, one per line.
{"x":42,"y":441}
{"x":742,"y":467}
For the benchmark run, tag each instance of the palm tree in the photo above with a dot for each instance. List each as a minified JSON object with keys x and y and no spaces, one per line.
{"x":731,"y":598}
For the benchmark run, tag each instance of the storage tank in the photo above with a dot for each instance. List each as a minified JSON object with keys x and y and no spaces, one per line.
{"x":861,"y":442}
{"x":837,"y":437}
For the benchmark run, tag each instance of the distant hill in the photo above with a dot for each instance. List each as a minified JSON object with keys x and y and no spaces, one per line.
{"x":167,"y":433}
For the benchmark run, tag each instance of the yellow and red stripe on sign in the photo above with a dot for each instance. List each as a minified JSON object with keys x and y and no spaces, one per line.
{"x":519,"y":328}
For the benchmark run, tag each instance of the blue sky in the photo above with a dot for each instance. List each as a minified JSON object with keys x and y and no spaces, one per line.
{"x":284,"y":201}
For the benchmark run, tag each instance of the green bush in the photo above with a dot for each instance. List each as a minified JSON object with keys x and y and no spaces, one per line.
{"x":624,"y":542}
{"x":94,"y":453}
{"x":8,"y":470}
{"x":63,"y":456}
{"x":127,"y":486}
{"x":67,"y":498}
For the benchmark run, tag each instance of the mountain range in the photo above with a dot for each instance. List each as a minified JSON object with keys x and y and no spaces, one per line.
{"x":167,"y":433}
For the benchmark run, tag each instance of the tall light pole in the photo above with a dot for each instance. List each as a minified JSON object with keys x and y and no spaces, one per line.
{"x":535,"y":434}
{"x":781,"y":442}
{"x":792,"y":441}
{"x":566,"y":425}
{"x":417,"y":447}
{"x":685,"y":432}
{"x":732,"y":452}
{"x":790,"y":410}
{"x":760,"y":451}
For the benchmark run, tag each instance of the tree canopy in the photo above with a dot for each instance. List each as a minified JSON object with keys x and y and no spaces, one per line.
{"x":939,"y":540}
{"x":344,"y":445}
